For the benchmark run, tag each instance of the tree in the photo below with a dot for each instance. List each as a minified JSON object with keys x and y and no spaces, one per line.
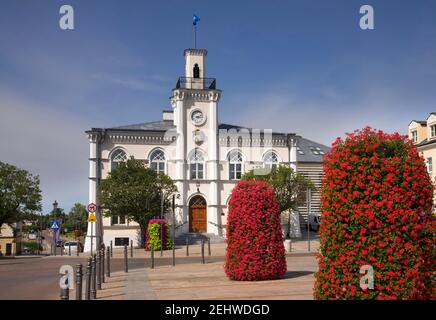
{"x":20,"y":195}
{"x":77,"y":218}
{"x":135,"y":191}
{"x":377,"y":232}
{"x":255,"y":249}
{"x":289,"y":188}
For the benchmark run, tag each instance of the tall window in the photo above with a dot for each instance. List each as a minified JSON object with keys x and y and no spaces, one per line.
{"x":414,"y":136}
{"x":157,"y":160}
{"x":433,"y":130}
{"x":196,"y":71}
{"x":197,"y":164}
{"x":118,"y":156}
{"x":430,"y":164}
{"x":271,"y":160}
{"x":235,"y":165}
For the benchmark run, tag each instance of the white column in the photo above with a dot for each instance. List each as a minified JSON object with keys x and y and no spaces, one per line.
{"x":93,"y":165}
{"x":180,"y":175}
{"x":293,"y":154}
{"x":213,"y":215}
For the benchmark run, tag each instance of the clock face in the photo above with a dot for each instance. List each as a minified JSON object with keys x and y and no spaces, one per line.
{"x":198,"y":117}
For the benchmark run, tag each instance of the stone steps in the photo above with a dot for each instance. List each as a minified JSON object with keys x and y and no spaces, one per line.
{"x":195,"y":238}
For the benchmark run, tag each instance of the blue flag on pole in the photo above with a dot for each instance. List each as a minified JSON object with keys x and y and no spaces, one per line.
{"x":195,"y":20}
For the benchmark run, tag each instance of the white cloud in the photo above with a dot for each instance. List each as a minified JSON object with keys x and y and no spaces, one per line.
{"x":48,"y":142}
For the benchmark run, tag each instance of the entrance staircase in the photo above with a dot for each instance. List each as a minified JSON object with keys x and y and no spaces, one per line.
{"x":195,"y":238}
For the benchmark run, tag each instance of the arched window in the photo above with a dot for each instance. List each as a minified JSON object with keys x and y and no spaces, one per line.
{"x":197,"y":164}
{"x":157,"y":161}
{"x":235,"y":165}
{"x":196,"y":71}
{"x":118,"y":156}
{"x":271,"y":160}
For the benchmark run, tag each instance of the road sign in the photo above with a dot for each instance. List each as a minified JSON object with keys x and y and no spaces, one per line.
{"x":92,"y":207}
{"x":91,"y":217}
{"x":54,"y":225}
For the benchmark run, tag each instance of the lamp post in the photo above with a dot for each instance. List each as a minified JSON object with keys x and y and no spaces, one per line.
{"x":55,"y":210}
{"x":161,"y":224}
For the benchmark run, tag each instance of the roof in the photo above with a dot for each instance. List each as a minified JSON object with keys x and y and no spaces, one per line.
{"x":421,"y":122}
{"x":308,"y":150}
{"x":426,"y":142}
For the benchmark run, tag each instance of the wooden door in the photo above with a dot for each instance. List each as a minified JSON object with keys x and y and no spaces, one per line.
{"x":197,"y":215}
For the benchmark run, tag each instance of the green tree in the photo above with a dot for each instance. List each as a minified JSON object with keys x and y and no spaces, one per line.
{"x":289,"y":187}
{"x":76,"y":218}
{"x":135,"y":191}
{"x":20,"y":195}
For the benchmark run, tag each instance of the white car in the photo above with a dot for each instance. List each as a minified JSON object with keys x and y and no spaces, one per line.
{"x":73,"y":245}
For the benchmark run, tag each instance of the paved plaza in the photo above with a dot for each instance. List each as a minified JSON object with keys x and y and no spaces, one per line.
{"x":37,"y":278}
{"x":190,"y":279}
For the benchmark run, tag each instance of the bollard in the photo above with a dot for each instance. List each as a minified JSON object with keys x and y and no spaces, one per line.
{"x":62,"y":250}
{"x":131,"y":248}
{"x":202,"y":251}
{"x":65,"y":294}
{"x":79,"y":276}
{"x":98,"y":269}
{"x":78,"y":248}
{"x":102,"y":265}
{"x":187,"y":246}
{"x":108,"y":262}
{"x":94,"y":278}
{"x":69,"y":251}
{"x":174,"y":254}
{"x":152,"y":256}
{"x":208,"y":247}
{"x":112,"y":252}
{"x":126,"y":267}
{"x":88,"y":279}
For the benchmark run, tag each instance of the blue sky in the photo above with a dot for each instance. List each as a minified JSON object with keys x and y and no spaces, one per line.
{"x":294,"y":66}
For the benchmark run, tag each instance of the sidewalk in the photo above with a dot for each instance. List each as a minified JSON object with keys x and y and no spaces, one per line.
{"x":190,"y":279}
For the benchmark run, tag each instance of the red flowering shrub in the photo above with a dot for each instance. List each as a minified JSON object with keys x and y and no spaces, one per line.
{"x":255,"y":248}
{"x":376,"y":210}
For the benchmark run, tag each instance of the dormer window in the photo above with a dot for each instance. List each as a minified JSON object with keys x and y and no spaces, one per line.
{"x":415,"y":136}
{"x":433,"y":130}
{"x":196,"y":71}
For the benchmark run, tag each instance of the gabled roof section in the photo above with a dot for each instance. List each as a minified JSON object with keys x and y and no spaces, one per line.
{"x":421,"y":122}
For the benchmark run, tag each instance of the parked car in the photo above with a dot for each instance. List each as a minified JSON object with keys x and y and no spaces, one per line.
{"x":74,"y":245}
{"x":32,"y":236}
{"x":59,"y":243}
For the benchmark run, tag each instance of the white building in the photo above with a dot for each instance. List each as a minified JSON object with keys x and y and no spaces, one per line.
{"x":204,"y":157}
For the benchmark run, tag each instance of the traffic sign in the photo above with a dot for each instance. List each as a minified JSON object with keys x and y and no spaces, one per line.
{"x":91,"y":217}
{"x":92,"y":207}
{"x":54,"y":225}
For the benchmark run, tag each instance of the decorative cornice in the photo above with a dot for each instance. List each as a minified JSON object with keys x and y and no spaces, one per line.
{"x":197,"y":95}
{"x":161,"y":139}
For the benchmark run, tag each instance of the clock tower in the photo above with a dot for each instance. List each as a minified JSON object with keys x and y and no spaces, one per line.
{"x":195,"y":103}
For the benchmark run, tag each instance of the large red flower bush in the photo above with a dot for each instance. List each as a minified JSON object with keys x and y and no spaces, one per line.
{"x":376,"y":210}
{"x":255,"y":248}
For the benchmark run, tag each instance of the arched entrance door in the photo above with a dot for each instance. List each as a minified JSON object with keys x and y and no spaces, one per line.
{"x":197,"y":214}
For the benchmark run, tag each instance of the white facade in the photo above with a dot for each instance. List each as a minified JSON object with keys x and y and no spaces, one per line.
{"x":203,"y":157}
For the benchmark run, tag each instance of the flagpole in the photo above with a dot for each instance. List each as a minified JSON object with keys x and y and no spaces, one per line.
{"x":195,"y":37}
